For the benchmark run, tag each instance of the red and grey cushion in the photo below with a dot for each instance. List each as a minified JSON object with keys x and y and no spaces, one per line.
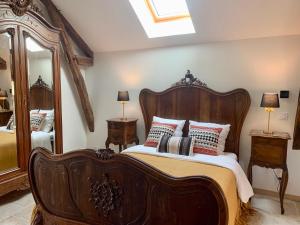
{"x":176,"y":145}
{"x":157,"y":130}
{"x":36,"y":121}
{"x":206,"y":139}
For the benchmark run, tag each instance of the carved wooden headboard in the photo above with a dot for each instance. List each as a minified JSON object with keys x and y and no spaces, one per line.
{"x":41,"y":95}
{"x":192,"y":100}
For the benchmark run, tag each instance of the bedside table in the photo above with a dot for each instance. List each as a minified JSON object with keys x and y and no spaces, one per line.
{"x":270,"y":151}
{"x":4,"y":117}
{"x":121,"y":132}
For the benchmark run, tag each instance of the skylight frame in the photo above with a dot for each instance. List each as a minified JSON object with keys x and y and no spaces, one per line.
{"x":158,"y":19}
{"x":156,"y":26}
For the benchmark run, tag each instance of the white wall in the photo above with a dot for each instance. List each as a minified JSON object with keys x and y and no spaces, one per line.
{"x":258,"y":65}
{"x":74,"y":126}
{"x":40,"y":67}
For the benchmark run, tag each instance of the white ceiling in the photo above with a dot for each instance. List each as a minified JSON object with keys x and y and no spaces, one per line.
{"x":111,"y":25}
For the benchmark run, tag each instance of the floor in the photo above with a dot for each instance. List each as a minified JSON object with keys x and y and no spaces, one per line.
{"x":16,"y":210}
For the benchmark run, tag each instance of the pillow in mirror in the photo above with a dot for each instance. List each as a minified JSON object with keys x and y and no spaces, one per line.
{"x":48,"y":122}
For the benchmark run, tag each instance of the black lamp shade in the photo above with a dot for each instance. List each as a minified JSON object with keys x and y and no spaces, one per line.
{"x":123,"y":96}
{"x":270,"y":100}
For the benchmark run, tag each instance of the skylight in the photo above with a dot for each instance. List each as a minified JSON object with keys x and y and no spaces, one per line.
{"x":33,"y":46}
{"x":162,"y":18}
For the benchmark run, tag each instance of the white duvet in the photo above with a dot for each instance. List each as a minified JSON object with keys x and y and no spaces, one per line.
{"x":38,"y":138}
{"x":41,"y":139}
{"x":228,"y":161}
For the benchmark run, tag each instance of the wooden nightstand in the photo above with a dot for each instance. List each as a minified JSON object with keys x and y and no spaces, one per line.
{"x":121,"y":132}
{"x":4,"y":117}
{"x":270,"y":151}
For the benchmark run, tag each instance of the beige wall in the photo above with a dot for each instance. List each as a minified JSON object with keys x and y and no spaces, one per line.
{"x":258,"y":65}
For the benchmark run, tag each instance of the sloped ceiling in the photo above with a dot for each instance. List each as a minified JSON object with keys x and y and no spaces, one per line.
{"x":111,"y":25}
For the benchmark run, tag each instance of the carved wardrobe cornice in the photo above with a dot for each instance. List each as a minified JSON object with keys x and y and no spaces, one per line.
{"x":20,"y":7}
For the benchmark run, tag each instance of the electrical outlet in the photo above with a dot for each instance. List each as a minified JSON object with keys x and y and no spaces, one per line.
{"x":284,"y":116}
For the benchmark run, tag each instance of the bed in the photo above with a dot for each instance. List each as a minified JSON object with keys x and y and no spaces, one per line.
{"x":139,"y":187}
{"x":41,"y":97}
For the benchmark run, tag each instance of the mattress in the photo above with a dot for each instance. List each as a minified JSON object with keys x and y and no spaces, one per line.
{"x":224,"y":169}
{"x":38,"y":138}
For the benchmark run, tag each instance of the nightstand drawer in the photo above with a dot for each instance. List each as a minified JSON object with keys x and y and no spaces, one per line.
{"x":115,"y":125}
{"x":269,"y":151}
{"x":116,"y":135}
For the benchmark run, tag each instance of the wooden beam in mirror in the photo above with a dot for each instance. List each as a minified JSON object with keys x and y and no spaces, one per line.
{"x":296,"y":143}
{"x":3,"y":65}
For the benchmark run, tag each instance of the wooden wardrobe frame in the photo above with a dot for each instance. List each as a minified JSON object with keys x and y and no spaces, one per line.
{"x":20,"y":25}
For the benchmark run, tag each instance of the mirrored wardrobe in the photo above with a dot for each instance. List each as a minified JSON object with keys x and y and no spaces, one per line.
{"x":30,"y":110}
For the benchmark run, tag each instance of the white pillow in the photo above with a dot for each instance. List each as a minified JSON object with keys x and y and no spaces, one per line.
{"x":34,"y":111}
{"x":48,"y":121}
{"x":180,"y":124}
{"x":223,"y":134}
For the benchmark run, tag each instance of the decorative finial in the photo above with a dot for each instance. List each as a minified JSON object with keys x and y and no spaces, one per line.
{"x":190,"y":80}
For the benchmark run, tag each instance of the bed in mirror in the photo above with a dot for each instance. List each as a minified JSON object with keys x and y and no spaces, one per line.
{"x":8,"y":127}
{"x":41,"y":95}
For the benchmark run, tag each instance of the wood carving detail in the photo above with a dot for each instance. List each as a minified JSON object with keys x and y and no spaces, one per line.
{"x":106,"y":195}
{"x":19,"y":7}
{"x":190,"y":80}
{"x":41,"y":83}
{"x":28,"y":20}
{"x":105,"y":154}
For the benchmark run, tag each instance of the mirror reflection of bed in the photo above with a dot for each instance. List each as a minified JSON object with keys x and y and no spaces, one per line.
{"x":40,"y":78}
{"x":40,"y":82}
{"x":41,"y":105}
{"x":8,"y":141}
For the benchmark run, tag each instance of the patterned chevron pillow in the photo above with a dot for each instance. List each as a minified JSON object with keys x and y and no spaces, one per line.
{"x":206,"y":139}
{"x":176,"y":145}
{"x":36,"y":120}
{"x":157,"y":130}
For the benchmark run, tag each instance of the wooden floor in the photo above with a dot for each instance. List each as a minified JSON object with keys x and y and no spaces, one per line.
{"x":16,"y":209}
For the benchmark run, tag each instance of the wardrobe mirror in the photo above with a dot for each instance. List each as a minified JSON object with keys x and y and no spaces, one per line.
{"x":41,"y":97}
{"x":8,"y":128}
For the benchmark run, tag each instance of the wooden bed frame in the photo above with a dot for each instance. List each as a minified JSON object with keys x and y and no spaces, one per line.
{"x":88,"y":187}
{"x":41,"y":95}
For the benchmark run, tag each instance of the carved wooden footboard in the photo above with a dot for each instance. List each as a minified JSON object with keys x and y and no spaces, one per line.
{"x":88,"y":187}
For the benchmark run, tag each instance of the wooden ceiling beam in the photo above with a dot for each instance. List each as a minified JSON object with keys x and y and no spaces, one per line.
{"x":77,"y":38}
{"x":58,"y":21}
{"x":84,"y":61}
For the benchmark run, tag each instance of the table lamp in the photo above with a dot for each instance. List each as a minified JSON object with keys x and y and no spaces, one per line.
{"x":269,"y":101}
{"x":123,"y":97}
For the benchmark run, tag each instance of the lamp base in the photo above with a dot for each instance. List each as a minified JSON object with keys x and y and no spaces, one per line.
{"x":124,"y":119}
